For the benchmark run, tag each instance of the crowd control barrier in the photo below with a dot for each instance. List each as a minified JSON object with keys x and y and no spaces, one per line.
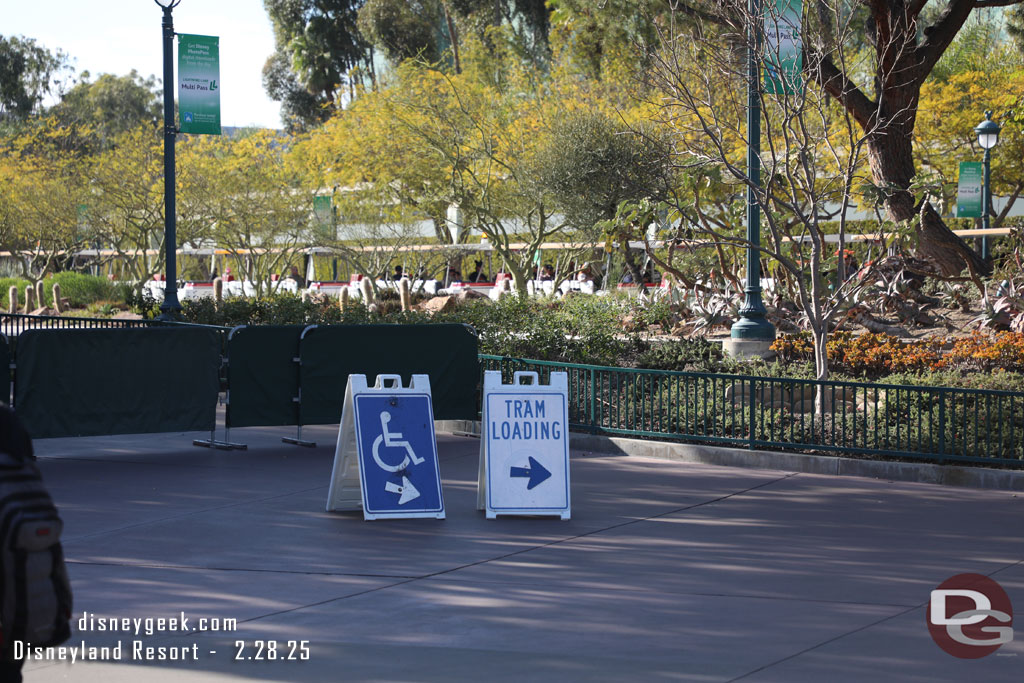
{"x":5,"y":376}
{"x":117,"y":381}
{"x":262,"y":380}
{"x":295,"y":375}
{"x":446,"y":353}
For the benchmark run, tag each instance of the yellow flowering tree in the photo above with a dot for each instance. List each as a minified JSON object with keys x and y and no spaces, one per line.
{"x":41,"y":198}
{"x":247,"y":196}
{"x":947,"y":115}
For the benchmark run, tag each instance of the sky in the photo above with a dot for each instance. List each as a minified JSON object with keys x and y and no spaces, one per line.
{"x":116,"y":36}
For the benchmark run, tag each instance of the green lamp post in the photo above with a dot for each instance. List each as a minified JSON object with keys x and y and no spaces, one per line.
{"x":753,"y":324}
{"x":170,"y":309}
{"x":988,"y":136}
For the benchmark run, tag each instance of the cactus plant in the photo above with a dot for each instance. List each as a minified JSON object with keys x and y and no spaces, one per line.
{"x":367,"y":290}
{"x":30,"y":299}
{"x":40,"y":293}
{"x":12,"y":299}
{"x":218,"y":291}
{"x":405,"y":294}
{"x":56,"y":298}
{"x":343,"y":299}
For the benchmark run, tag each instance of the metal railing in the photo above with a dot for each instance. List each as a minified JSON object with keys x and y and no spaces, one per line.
{"x":13,"y":324}
{"x":936,"y":423}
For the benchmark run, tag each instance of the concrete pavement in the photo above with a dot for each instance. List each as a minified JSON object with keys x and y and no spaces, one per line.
{"x":667,"y":571}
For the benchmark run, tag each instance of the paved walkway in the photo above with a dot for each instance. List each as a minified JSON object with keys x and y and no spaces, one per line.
{"x":666,"y":571}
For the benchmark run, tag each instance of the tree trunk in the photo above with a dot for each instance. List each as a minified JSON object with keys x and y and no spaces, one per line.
{"x":518,"y":279}
{"x":891,"y":158}
{"x":820,"y":371}
{"x":453,"y":36}
{"x":634,"y":270}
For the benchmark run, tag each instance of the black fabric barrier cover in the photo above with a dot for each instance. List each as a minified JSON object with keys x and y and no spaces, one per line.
{"x":5,"y":373}
{"x":263,"y":376}
{"x":126,"y":381}
{"x":447,"y":353}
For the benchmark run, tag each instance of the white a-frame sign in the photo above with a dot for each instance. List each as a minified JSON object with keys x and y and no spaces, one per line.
{"x":524,"y":446}
{"x":386,"y":460}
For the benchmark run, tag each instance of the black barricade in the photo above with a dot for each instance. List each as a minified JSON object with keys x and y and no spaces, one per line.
{"x":97,"y":382}
{"x":5,"y":373}
{"x":263,"y":376}
{"x":447,"y":353}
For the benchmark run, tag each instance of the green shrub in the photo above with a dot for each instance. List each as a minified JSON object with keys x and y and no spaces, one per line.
{"x":289,"y":309}
{"x":995,"y":381}
{"x":688,"y":355}
{"x":576,"y":330}
{"x":79,"y":289}
{"x":514,"y":326}
{"x":142,"y":303}
{"x":590,"y":328}
{"x":5,"y":286}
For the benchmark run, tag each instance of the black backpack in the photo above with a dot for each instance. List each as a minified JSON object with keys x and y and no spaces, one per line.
{"x":35,"y":594}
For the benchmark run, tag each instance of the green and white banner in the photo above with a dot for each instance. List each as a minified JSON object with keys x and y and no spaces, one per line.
{"x":782,"y":47}
{"x":199,"y":84}
{"x":324,"y":213}
{"x":968,"y":191}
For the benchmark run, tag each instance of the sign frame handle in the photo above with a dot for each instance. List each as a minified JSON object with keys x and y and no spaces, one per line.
{"x":517,"y":376}
{"x":381,"y":379}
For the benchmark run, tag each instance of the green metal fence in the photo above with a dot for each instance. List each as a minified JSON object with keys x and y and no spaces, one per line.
{"x":937,"y":423}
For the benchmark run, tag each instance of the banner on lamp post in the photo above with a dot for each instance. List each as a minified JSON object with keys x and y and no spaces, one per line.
{"x":324,"y":212}
{"x":199,"y":84}
{"x":783,"y":62}
{"x":968,"y":191}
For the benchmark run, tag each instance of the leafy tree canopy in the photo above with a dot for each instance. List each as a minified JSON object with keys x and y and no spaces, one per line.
{"x":110,"y":106}
{"x":28,"y":72}
{"x":321,"y":41}
{"x":403,"y":29}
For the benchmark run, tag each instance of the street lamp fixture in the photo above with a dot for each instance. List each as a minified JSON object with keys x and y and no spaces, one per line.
{"x":988,"y":132}
{"x":988,"y":136}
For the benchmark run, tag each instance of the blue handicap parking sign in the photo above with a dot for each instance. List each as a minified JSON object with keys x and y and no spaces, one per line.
{"x":398,"y":454}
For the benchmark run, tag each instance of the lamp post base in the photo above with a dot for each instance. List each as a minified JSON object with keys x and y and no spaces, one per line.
{"x":753,"y":326}
{"x":745,"y":349}
{"x":171,"y":313}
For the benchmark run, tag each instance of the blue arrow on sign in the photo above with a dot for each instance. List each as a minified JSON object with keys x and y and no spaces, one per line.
{"x":536,"y":472}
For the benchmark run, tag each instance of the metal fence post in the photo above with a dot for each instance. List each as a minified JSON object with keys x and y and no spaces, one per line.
{"x":752,"y":402}
{"x":942,"y":425}
{"x":593,"y":401}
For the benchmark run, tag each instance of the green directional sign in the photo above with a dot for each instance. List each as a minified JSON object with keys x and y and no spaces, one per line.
{"x":199,"y":84}
{"x":782,"y":56}
{"x":968,"y":192}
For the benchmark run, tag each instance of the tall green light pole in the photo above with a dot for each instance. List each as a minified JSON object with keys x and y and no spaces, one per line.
{"x":988,"y":135}
{"x":753,"y":323}
{"x":170,"y":309}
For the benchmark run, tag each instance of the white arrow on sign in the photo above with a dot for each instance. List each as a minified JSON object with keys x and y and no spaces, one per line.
{"x":407,"y":491}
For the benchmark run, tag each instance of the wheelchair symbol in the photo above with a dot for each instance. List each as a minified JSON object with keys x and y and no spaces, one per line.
{"x":393,"y":439}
